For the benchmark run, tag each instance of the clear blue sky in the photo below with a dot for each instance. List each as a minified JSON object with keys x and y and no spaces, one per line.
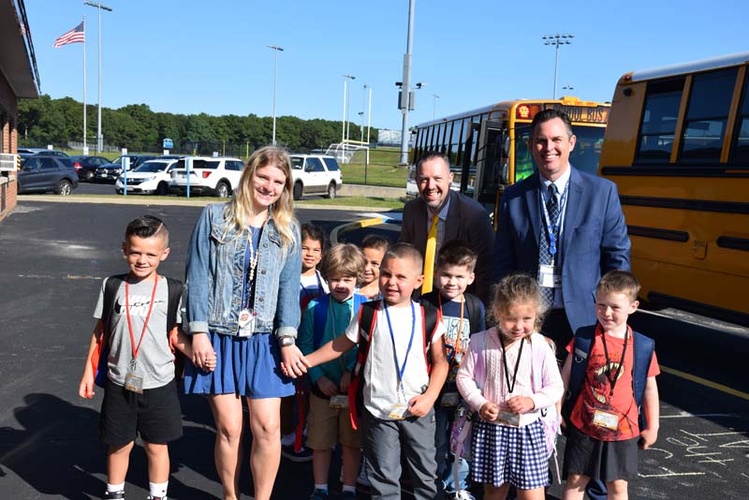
{"x":190,"y":56}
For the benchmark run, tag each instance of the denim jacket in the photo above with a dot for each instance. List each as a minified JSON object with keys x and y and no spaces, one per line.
{"x":215,"y":277}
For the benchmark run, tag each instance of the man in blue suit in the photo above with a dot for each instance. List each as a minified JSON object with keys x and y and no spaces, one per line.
{"x":565,"y":227}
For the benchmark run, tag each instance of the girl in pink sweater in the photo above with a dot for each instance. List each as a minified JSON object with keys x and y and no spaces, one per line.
{"x":509,"y":376}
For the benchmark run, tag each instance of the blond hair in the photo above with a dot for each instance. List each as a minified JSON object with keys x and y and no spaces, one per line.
{"x":240,"y":210}
{"x":344,"y":259}
{"x":518,"y":288}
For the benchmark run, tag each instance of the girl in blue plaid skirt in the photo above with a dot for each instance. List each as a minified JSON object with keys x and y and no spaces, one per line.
{"x":509,"y":376}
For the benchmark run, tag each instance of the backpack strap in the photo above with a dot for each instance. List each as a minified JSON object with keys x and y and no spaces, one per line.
{"x":643,"y":349}
{"x":583,"y":343}
{"x":175,"y":294}
{"x":474,"y":312}
{"x":110,"y":294}
{"x":319,"y":320}
{"x":367,"y":314}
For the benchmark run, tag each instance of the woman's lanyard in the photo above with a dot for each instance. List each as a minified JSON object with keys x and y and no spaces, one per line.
{"x":135,"y":349}
{"x":608,"y":361}
{"x":251,"y":258}
{"x":457,"y":348}
{"x":510,"y":383}
{"x":552,"y":226}
{"x":319,"y":287}
{"x":400,"y":369}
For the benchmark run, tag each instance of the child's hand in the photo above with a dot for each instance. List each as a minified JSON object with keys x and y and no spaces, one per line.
{"x":520,"y":404}
{"x":420,"y":405}
{"x":327,"y":386}
{"x":86,"y":387}
{"x":489,"y":412}
{"x":345,"y":381}
{"x":647,"y":438}
{"x":210,"y":363}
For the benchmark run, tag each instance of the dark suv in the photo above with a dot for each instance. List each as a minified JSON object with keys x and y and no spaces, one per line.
{"x":110,"y":171}
{"x":85,"y":166}
{"x":41,"y":174}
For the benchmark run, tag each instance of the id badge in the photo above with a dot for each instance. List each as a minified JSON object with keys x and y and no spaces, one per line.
{"x":547,"y":278}
{"x":134,"y":383}
{"x":606,"y":420}
{"x":509,"y":418}
{"x":398,"y":412}
{"x":450,"y":399}
{"x":339,"y":401}
{"x":246,"y":322}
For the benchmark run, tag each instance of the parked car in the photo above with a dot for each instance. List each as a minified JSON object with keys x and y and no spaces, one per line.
{"x":42,"y":174}
{"x":217,"y":176}
{"x":315,"y":174}
{"x":35,"y":151}
{"x":110,"y":171}
{"x":152,"y":177}
{"x":85,"y":166}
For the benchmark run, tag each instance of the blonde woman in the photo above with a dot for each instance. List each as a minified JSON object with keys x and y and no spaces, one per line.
{"x":242,"y":302}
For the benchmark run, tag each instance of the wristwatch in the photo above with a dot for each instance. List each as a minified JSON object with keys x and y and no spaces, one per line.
{"x":286,"y":340}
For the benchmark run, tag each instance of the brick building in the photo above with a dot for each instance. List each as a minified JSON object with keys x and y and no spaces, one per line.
{"x":19,"y":79}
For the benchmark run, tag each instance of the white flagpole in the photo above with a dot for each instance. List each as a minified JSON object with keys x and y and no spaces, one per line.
{"x":85,"y":145}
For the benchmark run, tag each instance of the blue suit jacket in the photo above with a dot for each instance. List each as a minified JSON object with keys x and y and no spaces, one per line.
{"x":594,"y":238}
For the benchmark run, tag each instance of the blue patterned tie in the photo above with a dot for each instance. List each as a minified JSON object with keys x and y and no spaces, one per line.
{"x":544,"y":254}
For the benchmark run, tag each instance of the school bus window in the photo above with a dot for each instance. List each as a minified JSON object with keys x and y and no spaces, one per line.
{"x":707,"y":114}
{"x":524,"y":165}
{"x":740,"y":149}
{"x":658,"y":124}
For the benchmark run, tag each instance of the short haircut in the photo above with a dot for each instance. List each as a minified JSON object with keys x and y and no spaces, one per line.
{"x":405,"y":251}
{"x":619,"y":281}
{"x":456,"y":253}
{"x":518,"y":288}
{"x":315,"y":233}
{"x":432,"y":155}
{"x":147,"y":226}
{"x":375,"y":241}
{"x":550,"y":114}
{"x":344,"y":259}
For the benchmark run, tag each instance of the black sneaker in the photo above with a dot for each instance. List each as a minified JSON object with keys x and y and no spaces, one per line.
{"x":118,"y":495}
{"x":303,"y":455}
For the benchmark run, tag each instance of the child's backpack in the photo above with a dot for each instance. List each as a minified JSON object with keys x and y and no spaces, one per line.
{"x":110,"y":294}
{"x":473,"y":306}
{"x":643,"y":349}
{"x":367,"y":320}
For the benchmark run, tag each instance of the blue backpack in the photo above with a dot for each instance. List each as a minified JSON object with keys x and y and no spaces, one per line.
{"x":644,"y":348}
{"x":321,"y":315}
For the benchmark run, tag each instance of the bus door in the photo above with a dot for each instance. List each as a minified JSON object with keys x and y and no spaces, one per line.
{"x":492,"y":164}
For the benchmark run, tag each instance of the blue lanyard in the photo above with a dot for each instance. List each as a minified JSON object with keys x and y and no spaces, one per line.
{"x":400,"y":369}
{"x":552,"y":227}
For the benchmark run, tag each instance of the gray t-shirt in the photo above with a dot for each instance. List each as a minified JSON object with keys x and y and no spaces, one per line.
{"x":155,"y":361}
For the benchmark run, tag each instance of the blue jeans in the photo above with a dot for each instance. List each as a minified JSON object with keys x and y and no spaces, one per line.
{"x":444,"y":417}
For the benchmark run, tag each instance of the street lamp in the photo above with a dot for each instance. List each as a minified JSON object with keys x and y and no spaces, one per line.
{"x":345,"y":105}
{"x":434,"y":106}
{"x":99,"y":137}
{"x":556,"y":41}
{"x":361,"y":127}
{"x":275,"y":48}
{"x":405,"y":103}
{"x":568,"y":87}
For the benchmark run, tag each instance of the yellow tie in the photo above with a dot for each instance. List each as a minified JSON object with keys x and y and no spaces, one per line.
{"x":429,"y":256}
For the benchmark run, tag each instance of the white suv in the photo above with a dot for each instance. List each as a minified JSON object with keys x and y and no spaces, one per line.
{"x":217,"y":176}
{"x":315,"y":174}
{"x":151,"y":177}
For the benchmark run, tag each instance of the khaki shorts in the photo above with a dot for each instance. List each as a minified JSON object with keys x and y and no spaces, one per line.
{"x":328,"y":426}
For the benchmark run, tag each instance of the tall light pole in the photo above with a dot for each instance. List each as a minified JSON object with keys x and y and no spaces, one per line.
{"x":275,"y":48}
{"x":405,"y":99}
{"x":99,"y":137}
{"x":369,"y":111}
{"x":556,"y":41}
{"x":346,"y":78}
{"x":434,"y":106}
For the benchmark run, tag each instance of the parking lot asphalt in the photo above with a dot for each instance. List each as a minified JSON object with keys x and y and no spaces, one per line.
{"x":55,"y":254}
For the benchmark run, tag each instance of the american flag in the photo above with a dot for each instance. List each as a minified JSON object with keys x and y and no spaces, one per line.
{"x":76,"y":35}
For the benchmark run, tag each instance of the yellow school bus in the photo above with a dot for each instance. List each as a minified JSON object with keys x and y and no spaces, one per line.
{"x":677,"y":146}
{"x":488,"y":147}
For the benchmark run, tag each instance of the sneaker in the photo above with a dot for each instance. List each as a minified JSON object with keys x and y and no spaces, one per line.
{"x":319,"y":495}
{"x":303,"y":455}
{"x":118,"y":495}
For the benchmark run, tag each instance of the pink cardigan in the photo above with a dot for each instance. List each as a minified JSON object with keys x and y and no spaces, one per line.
{"x":493,"y":387}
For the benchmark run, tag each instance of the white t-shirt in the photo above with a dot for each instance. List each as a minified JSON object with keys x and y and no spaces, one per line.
{"x":383,"y":390}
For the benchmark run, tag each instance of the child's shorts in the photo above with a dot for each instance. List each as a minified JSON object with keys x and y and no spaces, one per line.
{"x":155,"y":415}
{"x":604,"y":460}
{"x":328,"y":426}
